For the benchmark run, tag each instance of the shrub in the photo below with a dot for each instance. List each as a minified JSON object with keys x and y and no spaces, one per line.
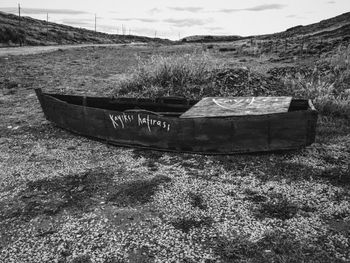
{"x":173,"y":75}
{"x":11,"y":35}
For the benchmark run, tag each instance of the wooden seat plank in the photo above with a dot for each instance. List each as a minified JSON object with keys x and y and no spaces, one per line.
{"x":237,"y":106}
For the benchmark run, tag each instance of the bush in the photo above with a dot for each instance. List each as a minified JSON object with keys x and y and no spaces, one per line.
{"x":11,"y":35}
{"x":173,"y":75}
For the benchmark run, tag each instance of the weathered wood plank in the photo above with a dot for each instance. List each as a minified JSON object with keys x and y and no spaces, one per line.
{"x":238,"y":106}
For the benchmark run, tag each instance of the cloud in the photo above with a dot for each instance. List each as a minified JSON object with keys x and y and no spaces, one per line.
{"x":295,"y":16}
{"x":78,"y":22}
{"x":265,"y":7}
{"x":257,"y":8}
{"x":32,"y":11}
{"x":154,"y":10}
{"x":331,"y":2}
{"x":193,"y":9}
{"x":145,"y":20}
{"x":214,"y":28}
{"x":144,"y":31}
{"x":110,"y":29}
{"x":9,"y":9}
{"x":186,"y":22}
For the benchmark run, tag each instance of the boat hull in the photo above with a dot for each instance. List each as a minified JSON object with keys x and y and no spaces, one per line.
{"x":227,"y":135}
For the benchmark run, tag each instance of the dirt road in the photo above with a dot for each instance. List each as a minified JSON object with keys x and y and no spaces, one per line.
{"x":28,"y":50}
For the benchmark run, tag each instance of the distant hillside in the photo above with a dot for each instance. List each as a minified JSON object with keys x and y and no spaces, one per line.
{"x":32,"y":31}
{"x":209,"y":38}
{"x":338,"y":26}
{"x":334,"y":28}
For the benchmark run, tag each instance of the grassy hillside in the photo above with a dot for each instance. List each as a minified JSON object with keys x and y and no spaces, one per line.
{"x":32,"y":31}
{"x":336,"y":28}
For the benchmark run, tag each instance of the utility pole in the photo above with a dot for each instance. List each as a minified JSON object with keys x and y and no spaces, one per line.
{"x":155,"y":34}
{"x":19,"y":35}
{"x":19,"y":15}
{"x":123,"y":29}
{"x":47,"y":26}
{"x":95,"y":22}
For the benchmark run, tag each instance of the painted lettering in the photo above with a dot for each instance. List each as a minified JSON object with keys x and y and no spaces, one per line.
{"x":121,"y":121}
{"x":115,"y":124}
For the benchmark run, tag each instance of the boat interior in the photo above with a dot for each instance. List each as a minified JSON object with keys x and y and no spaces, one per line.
{"x":164,"y":106}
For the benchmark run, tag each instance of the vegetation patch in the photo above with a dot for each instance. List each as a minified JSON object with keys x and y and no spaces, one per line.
{"x":50,"y":196}
{"x":327,"y":84}
{"x":195,"y":76}
{"x":277,"y":206}
{"x":227,"y":49}
{"x":274,"y":246}
{"x":136,"y":192}
{"x":179,"y":75}
{"x":186,"y":224}
{"x":277,"y":246}
{"x":196,"y":200}
{"x":235,"y":249}
{"x":255,"y":197}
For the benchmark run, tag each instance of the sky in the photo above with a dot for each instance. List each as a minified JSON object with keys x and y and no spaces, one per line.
{"x":176,"y":19}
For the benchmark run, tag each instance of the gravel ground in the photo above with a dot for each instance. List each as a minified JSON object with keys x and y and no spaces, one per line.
{"x":65,"y":198}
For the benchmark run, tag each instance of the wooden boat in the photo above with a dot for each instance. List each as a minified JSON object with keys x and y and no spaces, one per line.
{"x":209,"y":126}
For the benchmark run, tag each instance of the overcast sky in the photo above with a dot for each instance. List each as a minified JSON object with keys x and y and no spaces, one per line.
{"x":180,"y":18}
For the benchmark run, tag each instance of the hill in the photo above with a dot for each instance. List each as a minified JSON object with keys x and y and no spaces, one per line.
{"x":30,"y":31}
{"x":338,"y":26}
{"x":334,"y":28}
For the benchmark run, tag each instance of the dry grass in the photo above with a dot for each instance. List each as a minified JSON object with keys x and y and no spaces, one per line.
{"x":178,"y":74}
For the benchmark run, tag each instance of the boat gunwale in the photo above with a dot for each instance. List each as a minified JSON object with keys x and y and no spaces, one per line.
{"x":310,"y":108}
